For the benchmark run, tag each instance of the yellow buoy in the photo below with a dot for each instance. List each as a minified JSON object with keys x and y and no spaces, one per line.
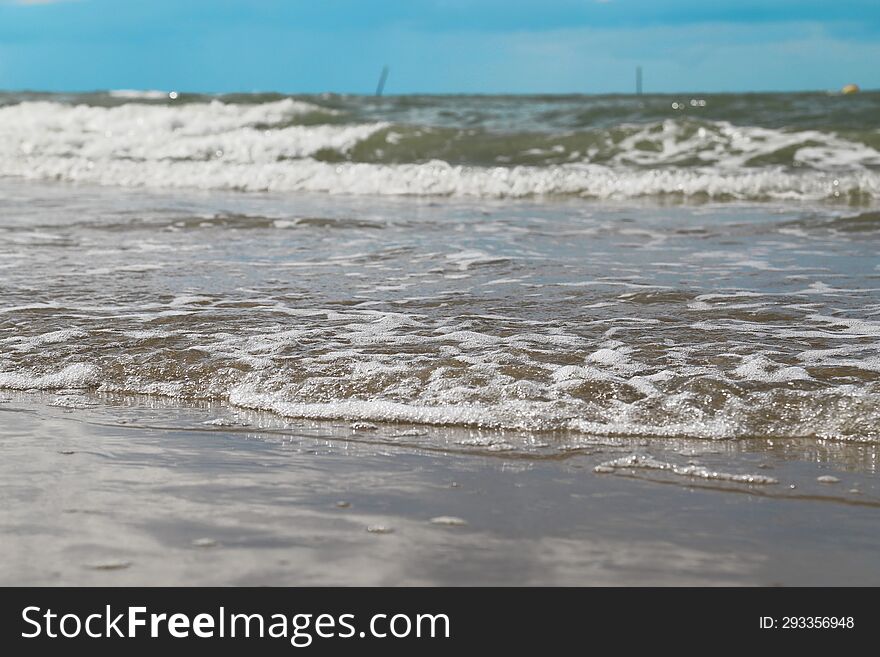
{"x":850,"y":89}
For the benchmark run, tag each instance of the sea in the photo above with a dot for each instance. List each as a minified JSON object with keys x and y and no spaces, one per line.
{"x":330,"y":339}
{"x":689,"y":265}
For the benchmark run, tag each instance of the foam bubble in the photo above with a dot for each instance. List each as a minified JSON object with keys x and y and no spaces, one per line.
{"x":77,"y":375}
{"x":647,"y":462}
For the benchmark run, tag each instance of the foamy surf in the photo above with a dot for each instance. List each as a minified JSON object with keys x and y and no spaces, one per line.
{"x":345,"y":145}
{"x":718,"y":321}
{"x":340,"y":289}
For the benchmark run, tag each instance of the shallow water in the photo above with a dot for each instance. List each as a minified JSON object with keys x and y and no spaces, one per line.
{"x":716,"y":321}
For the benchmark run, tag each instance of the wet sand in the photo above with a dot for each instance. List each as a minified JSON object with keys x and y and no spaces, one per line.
{"x":140,"y":491}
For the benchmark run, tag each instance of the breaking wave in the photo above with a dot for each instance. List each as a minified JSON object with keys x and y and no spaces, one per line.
{"x":297,"y":145}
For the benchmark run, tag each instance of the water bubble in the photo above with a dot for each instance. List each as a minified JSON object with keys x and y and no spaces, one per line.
{"x":449,"y":521}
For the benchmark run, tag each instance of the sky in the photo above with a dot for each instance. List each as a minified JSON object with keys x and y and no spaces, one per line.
{"x":439,"y":46}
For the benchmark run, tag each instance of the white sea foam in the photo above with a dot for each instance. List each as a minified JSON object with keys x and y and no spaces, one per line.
{"x":21,"y":343}
{"x":258,"y":147}
{"x":731,"y":147}
{"x":647,"y":462}
{"x":364,"y":365}
{"x":758,"y":367}
{"x":437,"y":178}
{"x":825,"y":414}
{"x":77,"y":375}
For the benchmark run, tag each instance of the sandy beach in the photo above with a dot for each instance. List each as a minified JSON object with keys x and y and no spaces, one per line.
{"x":148,"y":494}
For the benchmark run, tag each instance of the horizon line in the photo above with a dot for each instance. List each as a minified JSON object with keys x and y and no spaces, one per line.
{"x":255,"y":92}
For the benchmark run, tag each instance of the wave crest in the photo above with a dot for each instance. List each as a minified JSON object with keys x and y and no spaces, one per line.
{"x":292,"y":145}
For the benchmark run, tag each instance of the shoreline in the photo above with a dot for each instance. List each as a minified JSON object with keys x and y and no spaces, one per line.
{"x":144,"y":491}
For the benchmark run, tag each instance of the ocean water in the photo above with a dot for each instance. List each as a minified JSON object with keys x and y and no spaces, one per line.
{"x":548,"y":268}
{"x":752,"y":147}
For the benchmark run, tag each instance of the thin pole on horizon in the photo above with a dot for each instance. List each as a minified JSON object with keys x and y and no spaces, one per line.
{"x":382,"y":78}
{"x":638,"y":80}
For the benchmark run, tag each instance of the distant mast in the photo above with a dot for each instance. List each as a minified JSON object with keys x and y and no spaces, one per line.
{"x":638,"y":80}
{"x":381,"y":86}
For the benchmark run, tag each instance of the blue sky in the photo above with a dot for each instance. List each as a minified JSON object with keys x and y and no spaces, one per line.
{"x":439,"y":46}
